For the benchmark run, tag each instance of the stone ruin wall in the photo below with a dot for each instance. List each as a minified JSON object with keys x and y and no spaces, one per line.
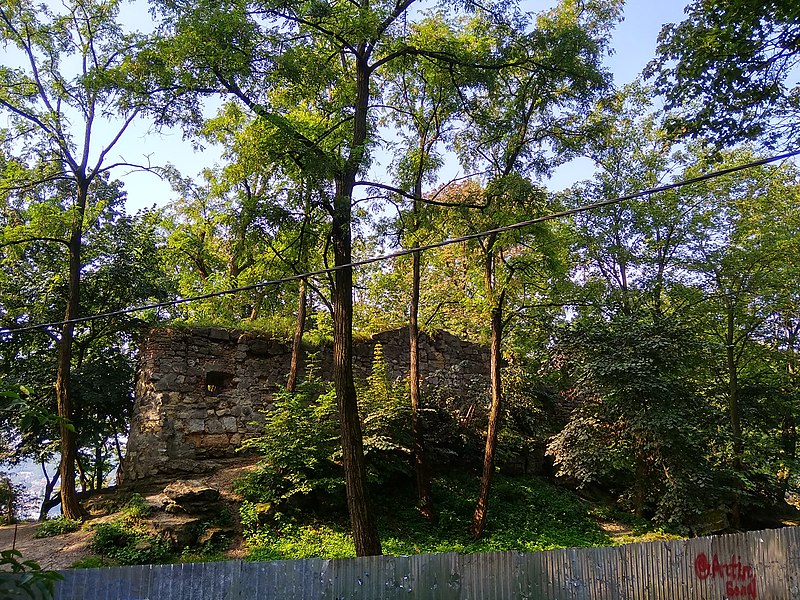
{"x":200,"y":392}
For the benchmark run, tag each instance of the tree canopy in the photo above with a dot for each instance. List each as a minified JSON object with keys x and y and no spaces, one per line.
{"x":647,"y":347}
{"x":730,"y":71}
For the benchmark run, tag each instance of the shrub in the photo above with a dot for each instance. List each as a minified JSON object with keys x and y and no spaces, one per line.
{"x":57,"y":526}
{"x":636,"y":429}
{"x":386,"y":417}
{"x":299,"y":442}
{"x":136,"y":508}
{"x":129,"y":545}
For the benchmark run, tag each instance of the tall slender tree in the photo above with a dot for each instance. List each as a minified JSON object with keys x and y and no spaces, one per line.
{"x":63,"y":77}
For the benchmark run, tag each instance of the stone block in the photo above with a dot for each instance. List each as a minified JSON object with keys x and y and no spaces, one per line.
{"x":218,"y":334}
{"x":196,"y":425}
{"x":214,"y":426}
{"x":214,"y":441}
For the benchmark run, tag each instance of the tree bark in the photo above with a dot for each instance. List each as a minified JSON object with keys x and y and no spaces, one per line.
{"x":70,"y":506}
{"x":481,"y":508}
{"x":365,"y":534}
{"x":98,"y":467}
{"x":297,"y":342}
{"x":8,"y":509}
{"x":417,"y":430}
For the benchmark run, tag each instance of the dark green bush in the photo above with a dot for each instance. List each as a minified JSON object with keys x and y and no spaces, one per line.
{"x":136,"y":508}
{"x":300,"y":445}
{"x":636,"y":432}
{"x":129,"y":545}
{"x":57,"y":526}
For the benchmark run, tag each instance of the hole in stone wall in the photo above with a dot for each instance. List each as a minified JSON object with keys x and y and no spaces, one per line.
{"x":217,"y":381}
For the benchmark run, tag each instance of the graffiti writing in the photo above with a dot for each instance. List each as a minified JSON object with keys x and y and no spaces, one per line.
{"x":740,"y":580}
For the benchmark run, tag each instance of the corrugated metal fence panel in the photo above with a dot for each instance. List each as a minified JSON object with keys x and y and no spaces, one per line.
{"x":761,"y":564}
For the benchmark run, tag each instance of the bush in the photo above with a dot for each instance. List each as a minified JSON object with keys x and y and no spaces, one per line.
{"x":136,"y":508}
{"x":638,"y":430}
{"x":386,"y":416}
{"x":299,"y":443}
{"x":57,"y":526}
{"x":129,"y":545}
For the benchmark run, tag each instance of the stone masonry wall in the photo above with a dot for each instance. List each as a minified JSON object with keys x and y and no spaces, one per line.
{"x":200,"y":392}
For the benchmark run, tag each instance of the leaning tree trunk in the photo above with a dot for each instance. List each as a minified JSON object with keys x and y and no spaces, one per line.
{"x":481,"y":507}
{"x":47,"y":501}
{"x":365,"y":534}
{"x":297,"y":342}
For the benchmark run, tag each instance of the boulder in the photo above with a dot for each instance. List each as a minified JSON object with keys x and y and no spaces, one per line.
{"x":179,"y":530}
{"x":215,"y":536}
{"x":190,"y":496}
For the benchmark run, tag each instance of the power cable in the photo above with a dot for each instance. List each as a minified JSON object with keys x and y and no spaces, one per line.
{"x":406,"y":252}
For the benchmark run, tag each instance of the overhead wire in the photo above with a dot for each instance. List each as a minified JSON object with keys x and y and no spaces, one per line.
{"x":408,"y":251}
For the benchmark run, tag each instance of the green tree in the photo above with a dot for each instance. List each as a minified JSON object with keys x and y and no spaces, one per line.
{"x":639,"y":429}
{"x":743,"y":259}
{"x":523,"y":123}
{"x":252,"y":219}
{"x":627,"y":255}
{"x":313,"y":71}
{"x":54,"y":111}
{"x":424,"y":105}
{"x":120,"y":269}
{"x":728,"y":70}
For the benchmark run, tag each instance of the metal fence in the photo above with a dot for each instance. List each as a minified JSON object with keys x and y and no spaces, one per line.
{"x":762,"y":564}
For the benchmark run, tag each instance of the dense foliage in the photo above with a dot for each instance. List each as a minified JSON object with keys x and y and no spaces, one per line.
{"x":644,"y":352}
{"x":530,"y":514}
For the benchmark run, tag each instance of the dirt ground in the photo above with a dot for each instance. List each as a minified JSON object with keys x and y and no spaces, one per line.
{"x":57,"y":552}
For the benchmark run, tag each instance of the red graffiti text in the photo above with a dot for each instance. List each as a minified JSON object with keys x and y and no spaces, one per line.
{"x":740,"y":580}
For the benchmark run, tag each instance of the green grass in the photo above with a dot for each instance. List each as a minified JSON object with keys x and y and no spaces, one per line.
{"x":525,"y":514}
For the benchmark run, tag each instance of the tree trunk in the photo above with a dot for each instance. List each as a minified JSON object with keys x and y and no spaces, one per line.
{"x":734,"y":411}
{"x":98,"y":467}
{"x":365,"y":534}
{"x":70,"y":507}
{"x":8,"y":509}
{"x":479,"y":519}
{"x":640,"y":486}
{"x":417,"y":431}
{"x":297,"y":342}
{"x":86,"y":482}
{"x":417,"y":427}
{"x":788,"y":422}
{"x":50,"y":485}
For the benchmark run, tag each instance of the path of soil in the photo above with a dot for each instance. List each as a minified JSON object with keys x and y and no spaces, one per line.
{"x":57,"y":552}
